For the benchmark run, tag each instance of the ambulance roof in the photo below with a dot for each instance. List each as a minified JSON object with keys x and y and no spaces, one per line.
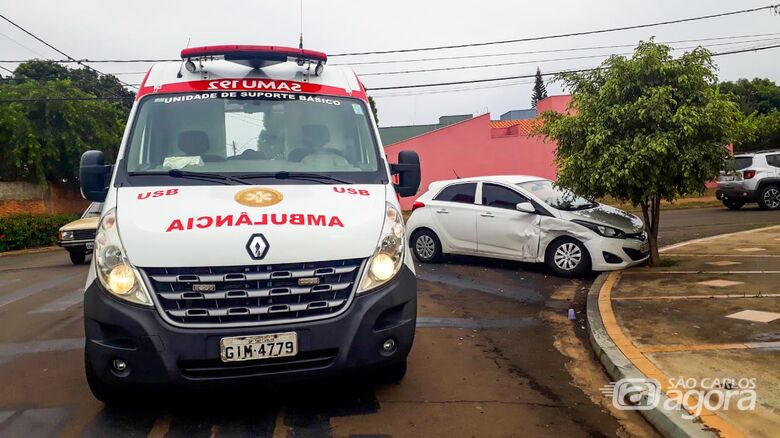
{"x":222,"y":75}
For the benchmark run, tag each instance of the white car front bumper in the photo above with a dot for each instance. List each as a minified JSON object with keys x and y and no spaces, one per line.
{"x":605,"y":252}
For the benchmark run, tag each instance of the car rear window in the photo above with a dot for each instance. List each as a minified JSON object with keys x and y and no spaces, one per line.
{"x":773,"y":160}
{"x":462,"y":193}
{"x":739,"y":163}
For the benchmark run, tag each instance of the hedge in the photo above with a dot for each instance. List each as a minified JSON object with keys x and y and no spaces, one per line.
{"x":19,"y":231}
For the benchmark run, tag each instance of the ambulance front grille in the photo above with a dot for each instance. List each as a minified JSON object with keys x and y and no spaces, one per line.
{"x":253,"y":295}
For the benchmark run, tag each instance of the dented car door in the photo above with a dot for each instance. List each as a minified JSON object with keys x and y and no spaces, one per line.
{"x":502,"y":230}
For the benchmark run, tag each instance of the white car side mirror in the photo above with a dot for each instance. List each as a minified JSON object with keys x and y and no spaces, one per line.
{"x":526,"y":207}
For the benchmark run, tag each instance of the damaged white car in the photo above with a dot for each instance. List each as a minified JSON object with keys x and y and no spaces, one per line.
{"x":524,"y":218}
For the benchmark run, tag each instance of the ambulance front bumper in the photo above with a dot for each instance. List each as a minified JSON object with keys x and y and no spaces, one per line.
{"x":156,"y":352}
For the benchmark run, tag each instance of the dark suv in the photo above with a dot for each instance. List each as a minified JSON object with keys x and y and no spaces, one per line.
{"x":751,"y":177}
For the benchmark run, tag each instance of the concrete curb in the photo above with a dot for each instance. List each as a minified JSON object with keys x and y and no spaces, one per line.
{"x":618,"y":366}
{"x":20,"y":252}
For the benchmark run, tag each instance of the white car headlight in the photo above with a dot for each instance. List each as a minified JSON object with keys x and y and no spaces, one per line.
{"x":602,"y":230}
{"x":389,"y":254}
{"x":114,"y":271}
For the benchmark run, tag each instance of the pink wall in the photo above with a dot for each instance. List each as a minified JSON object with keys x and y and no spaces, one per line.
{"x":554,"y":103}
{"x":469,"y":148}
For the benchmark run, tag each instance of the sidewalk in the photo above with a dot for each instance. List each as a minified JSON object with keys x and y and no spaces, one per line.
{"x":702,"y":328}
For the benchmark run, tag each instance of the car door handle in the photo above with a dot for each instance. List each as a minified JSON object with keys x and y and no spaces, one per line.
{"x":487,"y":215}
{"x":442,"y":211}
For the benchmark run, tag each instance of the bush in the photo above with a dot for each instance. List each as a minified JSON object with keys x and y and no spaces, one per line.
{"x":19,"y":231}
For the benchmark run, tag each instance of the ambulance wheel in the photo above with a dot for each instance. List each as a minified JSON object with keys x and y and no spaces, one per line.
{"x":393,"y":373}
{"x":426,"y":246}
{"x":77,"y":257}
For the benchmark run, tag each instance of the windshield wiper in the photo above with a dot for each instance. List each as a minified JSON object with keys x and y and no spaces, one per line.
{"x":296,"y":175}
{"x":204,"y":176}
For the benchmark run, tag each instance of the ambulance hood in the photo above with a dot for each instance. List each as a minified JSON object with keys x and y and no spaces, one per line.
{"x":200,"y":226}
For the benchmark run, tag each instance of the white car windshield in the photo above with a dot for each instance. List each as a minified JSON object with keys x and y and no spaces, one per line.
{"x":94,"y":209}
{"x":555,"y":196}
{"x":242,"y":133}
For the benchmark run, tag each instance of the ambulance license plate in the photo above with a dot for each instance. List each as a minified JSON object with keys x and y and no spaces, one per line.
{"x":241,"y":348}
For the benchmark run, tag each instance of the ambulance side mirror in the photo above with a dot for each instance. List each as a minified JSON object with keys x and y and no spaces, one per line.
{"x":93,"y":173}
{"x":408,"y":171}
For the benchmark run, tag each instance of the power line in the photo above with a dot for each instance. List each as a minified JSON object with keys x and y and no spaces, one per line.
{"x":750,"y":49}
{"x":532,"y":52}
{"x":538,"y":61}
{"x":565,"y":35}
{"x":63,"y":99}
{"x":443,"y":58}
{"x":53,"y":76}
{"x":475,"y":81}
{"x":98,"y":61}
{"x":52,"y":47}
{"x":450,"y":90}
{"x":37,"y":84}
{"x":20,"y":44}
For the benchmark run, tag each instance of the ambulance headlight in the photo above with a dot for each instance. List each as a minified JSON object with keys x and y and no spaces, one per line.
{"x":113,"y":270}
{"x":389,"y":254}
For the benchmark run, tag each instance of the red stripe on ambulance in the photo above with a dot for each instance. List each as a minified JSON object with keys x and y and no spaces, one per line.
{"x":247,"y":84}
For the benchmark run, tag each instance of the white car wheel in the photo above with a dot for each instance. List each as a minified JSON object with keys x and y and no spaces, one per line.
{"x":770,"y":198}
{"x":568,"y":256}
{"x":427,"y":247}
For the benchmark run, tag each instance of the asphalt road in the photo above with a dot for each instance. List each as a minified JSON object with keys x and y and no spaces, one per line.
{"x":686,"y":224}
{"x":494,"y":355}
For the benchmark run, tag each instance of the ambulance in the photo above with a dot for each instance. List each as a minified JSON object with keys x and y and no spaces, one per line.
{"x":251,"y":229}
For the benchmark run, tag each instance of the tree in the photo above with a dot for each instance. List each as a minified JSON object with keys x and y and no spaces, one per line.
{"x":643,"y":129}
{"x":372,"y":104}
{"x":762,"y":132}
{"x":82,"y":78}
{"x":540,"y":91}
{"x":760,"y":96}
{"x":272,"y":137}
{"x":42,"y":140}
{"x":759,"y":99}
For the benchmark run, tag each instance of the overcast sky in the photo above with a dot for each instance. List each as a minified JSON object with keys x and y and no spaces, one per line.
{"x":160,"y":29}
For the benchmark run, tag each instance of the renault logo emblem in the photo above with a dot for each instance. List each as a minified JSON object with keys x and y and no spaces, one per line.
{"x":258,"y":197}
{"x":257,"y":247}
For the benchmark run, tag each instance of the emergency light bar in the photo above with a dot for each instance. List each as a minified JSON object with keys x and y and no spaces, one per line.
{"x":255,"y":56}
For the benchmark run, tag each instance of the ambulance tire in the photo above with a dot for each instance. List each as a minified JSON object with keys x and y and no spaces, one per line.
{"x":77,"y":257}
{"x":393,"y":373}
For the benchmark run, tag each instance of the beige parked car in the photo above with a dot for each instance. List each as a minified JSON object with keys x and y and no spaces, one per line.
{"x":78,"y":237}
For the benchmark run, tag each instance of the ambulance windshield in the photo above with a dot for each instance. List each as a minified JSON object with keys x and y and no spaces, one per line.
{"x":247,"y":132}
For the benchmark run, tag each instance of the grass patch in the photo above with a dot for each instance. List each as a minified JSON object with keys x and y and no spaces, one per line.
{"x":707,"y":199}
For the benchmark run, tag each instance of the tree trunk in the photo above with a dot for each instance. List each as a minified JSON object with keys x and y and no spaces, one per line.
{"x":651,"y":212}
